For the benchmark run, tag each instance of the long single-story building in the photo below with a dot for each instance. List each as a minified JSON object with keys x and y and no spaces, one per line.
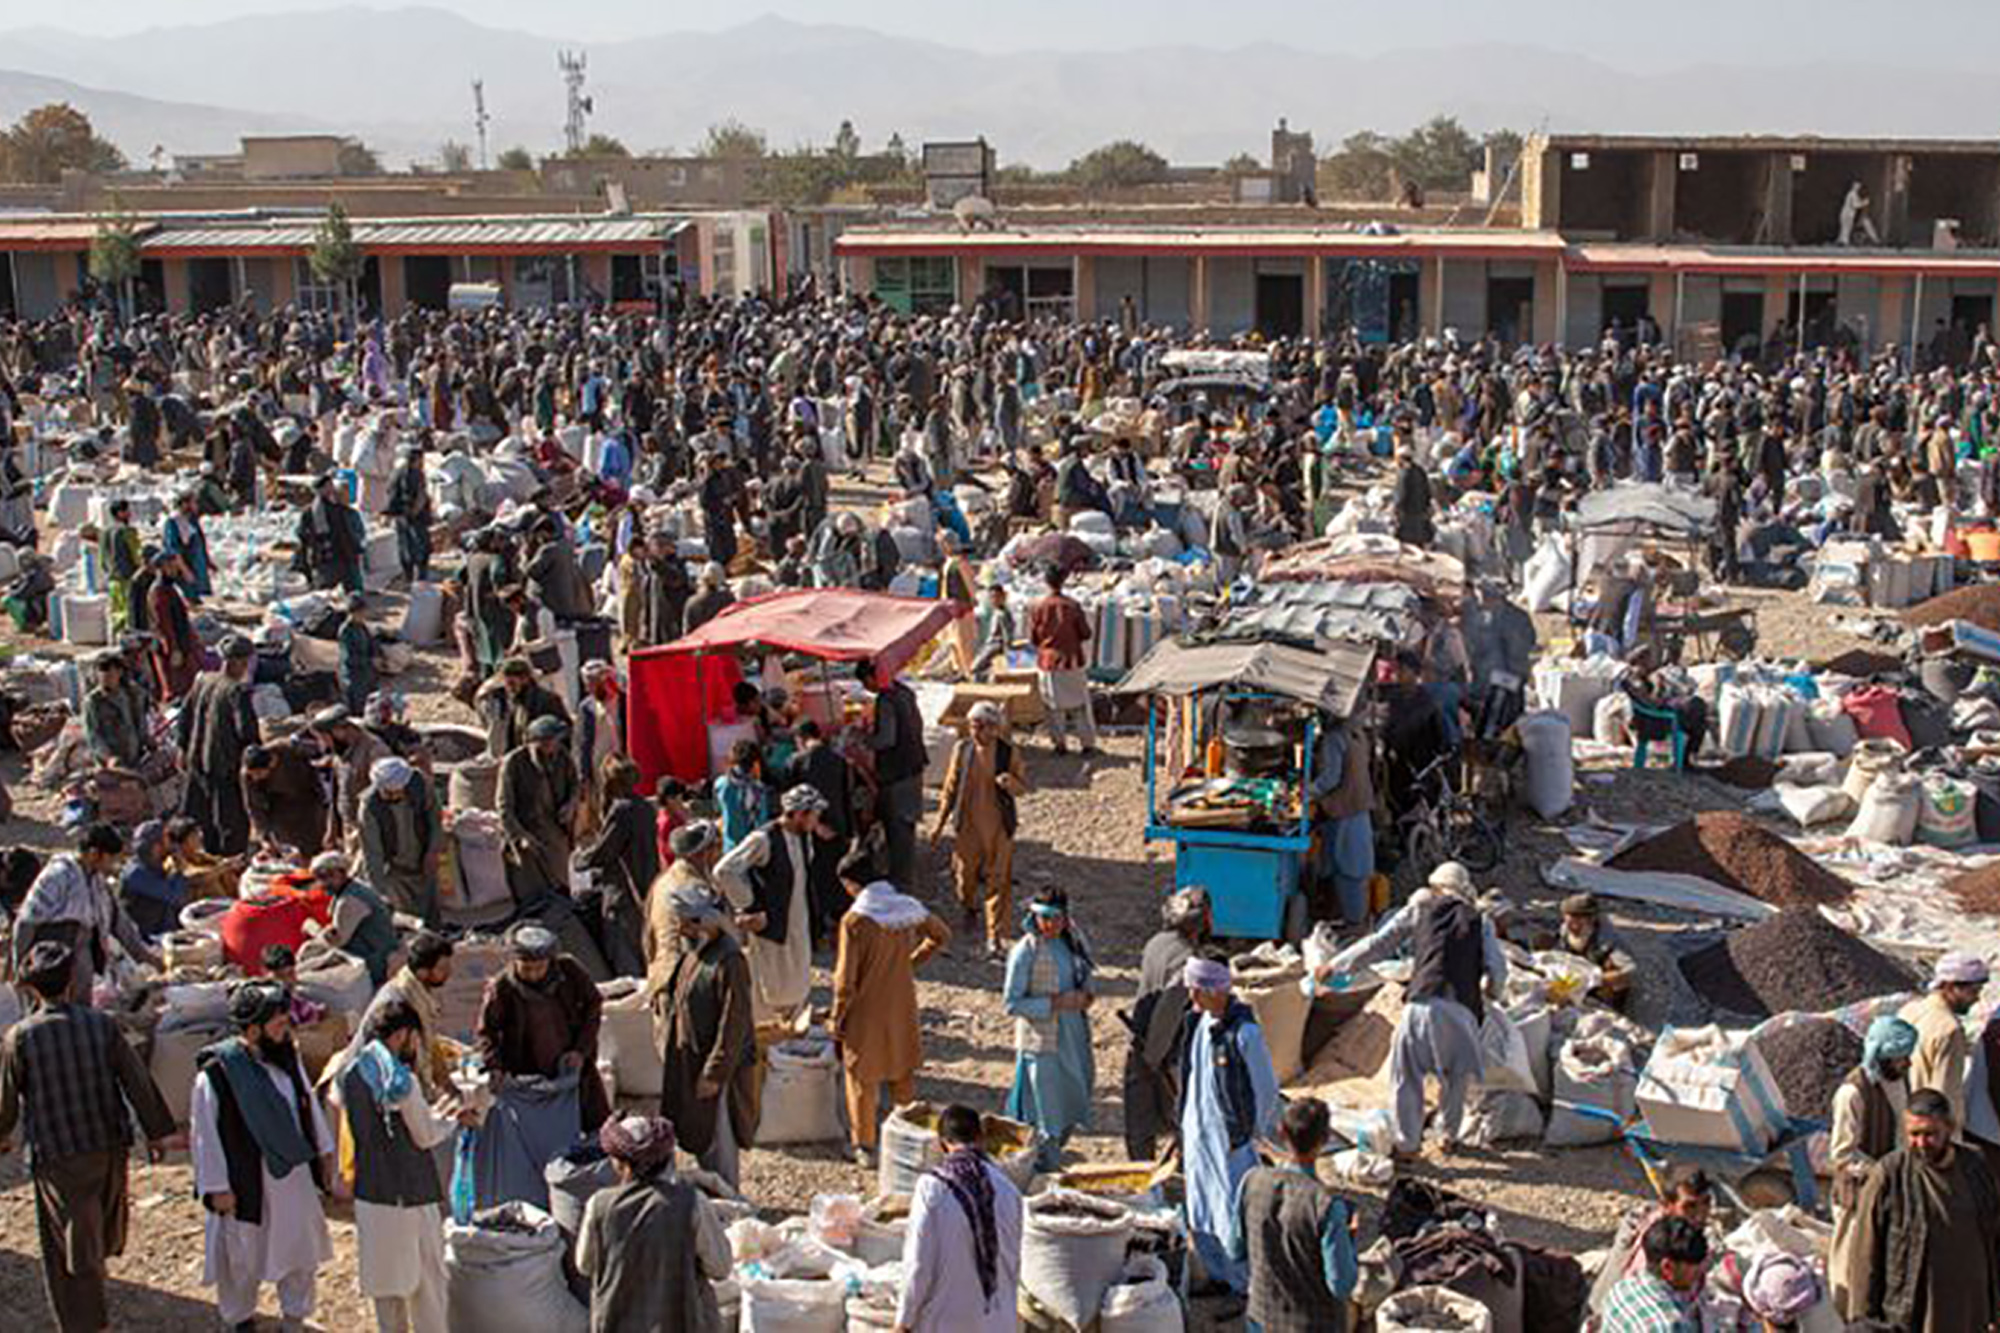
{"x":210,"y":261}
{"x":1524,"y":285}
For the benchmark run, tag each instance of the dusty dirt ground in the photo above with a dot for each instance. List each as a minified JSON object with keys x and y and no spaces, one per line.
{"x":1080,"y":829}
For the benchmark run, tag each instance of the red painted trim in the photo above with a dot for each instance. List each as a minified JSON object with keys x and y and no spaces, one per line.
{"x":391,"y":251}
{"x":844,"y":249}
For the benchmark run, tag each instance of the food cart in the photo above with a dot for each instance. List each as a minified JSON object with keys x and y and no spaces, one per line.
{"x":1237,"y":738}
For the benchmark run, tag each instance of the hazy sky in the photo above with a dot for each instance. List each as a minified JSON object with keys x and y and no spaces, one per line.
{"x":1621,"y":32}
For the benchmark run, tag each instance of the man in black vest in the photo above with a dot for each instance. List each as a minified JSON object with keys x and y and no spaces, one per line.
{"x":652,"y":1244}
{"x":1455,"y":958}
{"x":898,"y":742}
{"x":1297,"y":1234}
{"x":398,"y":1194}
{"x":262,"y":1157}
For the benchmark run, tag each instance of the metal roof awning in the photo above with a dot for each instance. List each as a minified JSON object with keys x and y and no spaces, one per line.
{"x":1362,"y":612}
{"x":30,"y":233}
{"x":1611,"y":257}
{"x":417,"y":236}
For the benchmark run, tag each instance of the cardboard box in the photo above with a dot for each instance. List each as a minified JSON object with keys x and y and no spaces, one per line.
{"x":1705,"y":1089}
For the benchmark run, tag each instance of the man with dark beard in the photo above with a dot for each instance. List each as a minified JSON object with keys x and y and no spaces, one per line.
{"x":262,"y":1157}
{"x":1925,"y":1260}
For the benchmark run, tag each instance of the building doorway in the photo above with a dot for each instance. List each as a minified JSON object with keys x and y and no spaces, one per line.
{"x":427,"y":281}
{"x":1405,"y":322}
{"x":1623,"y":308}
{"x":1281,"y":305}
{"x":211,"y":285}
{"x":1971,"y":313}
{"x":1742,"y":323}
{"x":1510,"y":308}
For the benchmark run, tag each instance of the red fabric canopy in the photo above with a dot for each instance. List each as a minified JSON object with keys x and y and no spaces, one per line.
{"x":677,"y":687}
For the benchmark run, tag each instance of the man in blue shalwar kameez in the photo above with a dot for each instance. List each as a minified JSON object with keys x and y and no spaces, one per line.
{"x":1049,"y":995}
{"x":1229,"y":1099}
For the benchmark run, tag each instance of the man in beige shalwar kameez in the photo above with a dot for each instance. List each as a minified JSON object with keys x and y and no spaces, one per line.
{"x":885,"y":937}
{"x":981,"y":783}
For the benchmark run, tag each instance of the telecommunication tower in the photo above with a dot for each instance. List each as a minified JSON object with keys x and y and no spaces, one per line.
{"x":574,"y":65}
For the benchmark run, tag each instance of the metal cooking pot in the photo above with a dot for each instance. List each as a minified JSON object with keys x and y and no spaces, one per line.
{"x":1255,"y":752}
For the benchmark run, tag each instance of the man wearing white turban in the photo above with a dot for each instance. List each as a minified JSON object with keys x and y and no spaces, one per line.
{"x":1229,"y":1100}
{"x":402,"y":838}
{"x":1943,"y":1048}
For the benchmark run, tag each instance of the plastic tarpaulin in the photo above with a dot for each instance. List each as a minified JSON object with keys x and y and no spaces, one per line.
{"x":1330,"y":678}
{"x":1648,"y":507}
{"x":533,"y":1120}
{"x":677,"y":687}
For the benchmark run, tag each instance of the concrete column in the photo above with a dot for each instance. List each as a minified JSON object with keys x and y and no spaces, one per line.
{"x":1661,"y":304}
{"x":1546,"y":319}
{"x":1892,"y":311}
{"x":596,"y":272}
{"x":1891,"y":193}
{"x":1436,"y":328}
{"x":1777,"y":302}
{"x":284,"y":284}
{"x":1198,"y":302}
{"x":1083,"y":286}
{"x":1778,"y":199}
{"x":174,"y":277}
{"x":1316,"y":296}
{"x":394,"y":297}
{"x":1660,"y":197}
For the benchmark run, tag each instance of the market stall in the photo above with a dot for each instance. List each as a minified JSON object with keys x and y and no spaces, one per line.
{"x":1236,"y":740}
{"x":1677,"y":522}
{"x":681,"y":691}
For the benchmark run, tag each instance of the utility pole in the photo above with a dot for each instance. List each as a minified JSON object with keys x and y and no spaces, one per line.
{"x":480,"y":119}
{"x":574,"y":65}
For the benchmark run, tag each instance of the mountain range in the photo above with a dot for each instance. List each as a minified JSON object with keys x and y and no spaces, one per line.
{"x":400,"y":78}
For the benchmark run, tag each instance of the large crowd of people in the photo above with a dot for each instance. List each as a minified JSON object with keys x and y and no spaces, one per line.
{"x":725,"y":426}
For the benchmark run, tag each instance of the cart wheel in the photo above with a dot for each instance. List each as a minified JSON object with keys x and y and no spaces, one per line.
{"x":1298,"y":918}
{"x":1737,"y":641}
{"x":1766,"y":1189}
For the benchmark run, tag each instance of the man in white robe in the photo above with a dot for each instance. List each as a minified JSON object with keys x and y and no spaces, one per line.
{"x":262,"y":1156}
{"x":962,"y":1248}
{"x":765,"y":878}
{"x":1229,"y":1101}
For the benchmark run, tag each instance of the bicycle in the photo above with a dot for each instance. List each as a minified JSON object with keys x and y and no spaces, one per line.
{"x":1445,"y":825}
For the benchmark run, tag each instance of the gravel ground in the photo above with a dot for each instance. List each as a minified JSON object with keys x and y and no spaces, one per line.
{"x":1079,"y":829}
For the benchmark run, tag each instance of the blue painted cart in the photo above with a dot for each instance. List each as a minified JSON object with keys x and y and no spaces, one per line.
{"x":1253,"y":878}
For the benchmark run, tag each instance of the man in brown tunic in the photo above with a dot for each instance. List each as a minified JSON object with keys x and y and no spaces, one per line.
{"x":282,"y":792}
{"x":709,"y":1083}
{"x":540,"y":1018}
{"x":885,"y":937}
{"x":1927,"y":1259}
{"x":537,"y":796}
{"x":981,"y":784}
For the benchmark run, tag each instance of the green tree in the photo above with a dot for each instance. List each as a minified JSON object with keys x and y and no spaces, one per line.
{"x":1359,"y":170}
{"x":454,"y":158}
{"x":114,"y":257}
{"x":336,"y":259}
{"x":803,"y":177}
{"x":846,"y":143}
{"x":1118,"y":166}
{"x":52,"y":139}
{"x":516,"y":158}
{"x":358,"y":159}
{"x":1439,"y":154}
{"x":602,"y":145}
{"x":1243,"y":164}
{"x":733,"y":139}
{"x":897,"y":149}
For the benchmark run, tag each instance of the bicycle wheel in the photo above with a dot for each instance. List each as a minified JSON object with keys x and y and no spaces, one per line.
{"x":1472,"y":841}
{"x":1423,"y":852}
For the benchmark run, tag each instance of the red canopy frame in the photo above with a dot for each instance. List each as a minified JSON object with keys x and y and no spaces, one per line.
{"x":678,"y":687}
